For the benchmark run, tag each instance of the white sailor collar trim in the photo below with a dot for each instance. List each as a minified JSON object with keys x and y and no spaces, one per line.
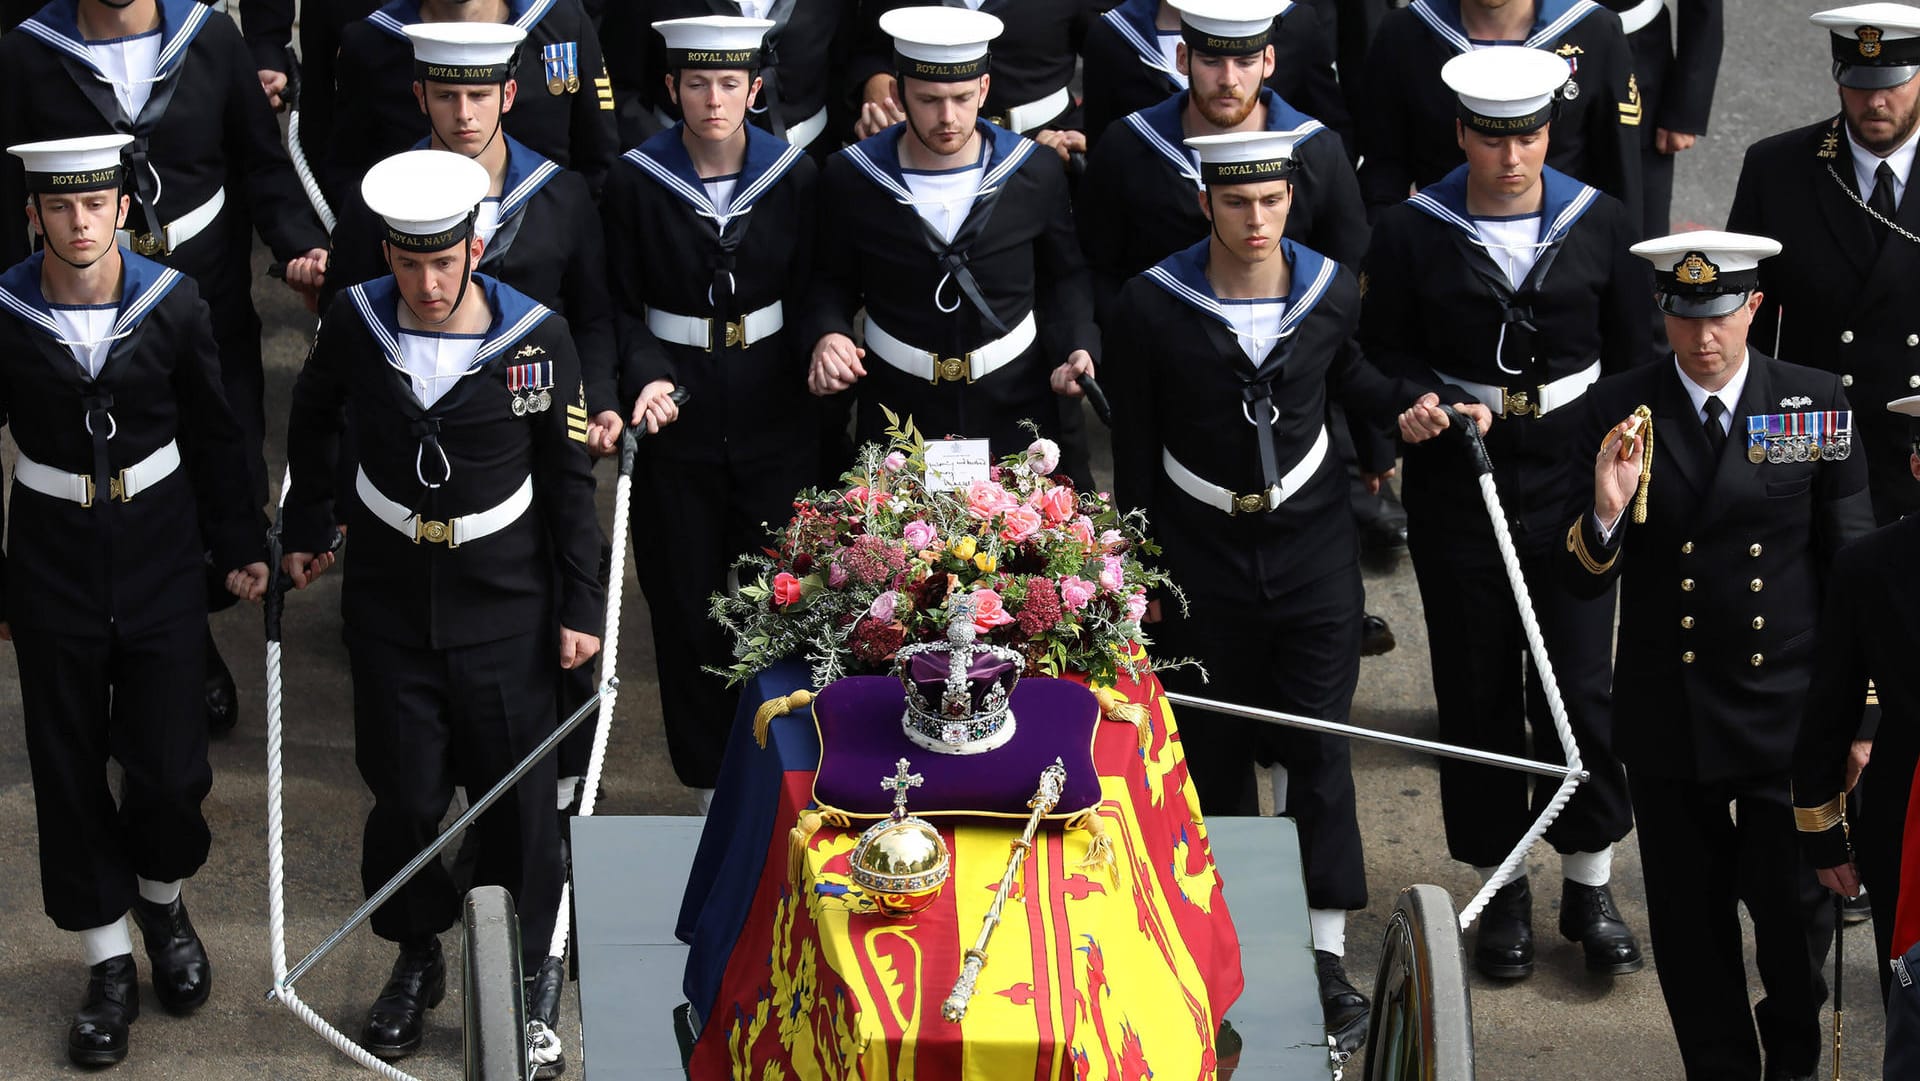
{"x":1552,"y":18}
{"x":1184,"y":275}
{"x":515,"y":315}
{"x":57,"y":25}
{"x":664,"y":158}
{"x":143,"y":285}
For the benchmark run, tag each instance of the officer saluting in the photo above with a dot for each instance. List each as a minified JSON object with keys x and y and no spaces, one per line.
{"x":1225,"y":355}
{"x":1837,"y":302}
{"x":1754,"y":483}
{"x":712,"y":225}
{"x":1511,"y":281}
{"x":474,"y":498}
{"x":109,"y":385}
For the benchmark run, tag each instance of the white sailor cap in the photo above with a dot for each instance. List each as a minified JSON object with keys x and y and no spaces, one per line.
{"x":470,"y":53}
{"x":1909,"y":407}
{"x":1228,"y":27}
{"x":427,"y":197}
{"x":1506,"y":89}
{"x":940,"y":44}
{"x":1245,"y":157}
{"x":1707,"y":273}
{"x":714,"y":41}
{"x":88,"y":163}
{"x":1875,"y":46}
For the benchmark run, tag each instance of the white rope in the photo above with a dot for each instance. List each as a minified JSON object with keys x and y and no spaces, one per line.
{"x":305,"y":172}
{"x":1536,"y":645}
{"x":609,"y":666}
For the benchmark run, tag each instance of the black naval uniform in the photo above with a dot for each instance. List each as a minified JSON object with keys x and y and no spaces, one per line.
{"x":1406,"y":129}
{"x":205,"y":147}
{"x":1866,"y":633}
{"x":1137,"y":202}
{"x":106,"y":600}
{"x":1721,"y":588}
{"x":321,"y":24}
{"x":1015,"y":258}
{"x":564,"y":107}
{"x":1836,"y":301}
{"x":1675,"y":67}
{"x":1275,"y":593}
{"x":452,"y":647}
{"x":803,"y":63}
{"x":1125,"y":71}
{"x":1033,"y":59}
{"x":710,"y":483}
{"x":1438,"y":306}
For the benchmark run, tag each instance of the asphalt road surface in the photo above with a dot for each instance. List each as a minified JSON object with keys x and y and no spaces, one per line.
{"x":1561,"y":1023}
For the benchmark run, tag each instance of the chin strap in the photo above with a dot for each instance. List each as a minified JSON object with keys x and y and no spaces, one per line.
{"x":466,"y":277}
{"x":47,"y":238}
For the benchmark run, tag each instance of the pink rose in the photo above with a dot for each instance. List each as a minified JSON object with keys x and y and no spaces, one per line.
{"x":1136,"y":605}
{"x":1081,"y":529}
{"x":1075,"y":592}
{"x":1110,"y":540}
{"x":883,"y":606}
{"x":1019,"y":524}
{"x":919,"y":534}
{"x":786,"y":589}
{"x":837,"y":577}
{"x":988,"y":612}
{"x":1043,"y":457}
{"x":1054,"y":504}
{"x":1112,"y":578}
{"x":895,"y":462}
{"x":864,"y":497}
{"x":986,"y":499}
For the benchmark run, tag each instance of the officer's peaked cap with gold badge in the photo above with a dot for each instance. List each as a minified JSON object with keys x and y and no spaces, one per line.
{"x":1705,"y":274}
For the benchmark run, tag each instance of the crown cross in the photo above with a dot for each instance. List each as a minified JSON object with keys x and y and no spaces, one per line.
{"x":901,"y":782}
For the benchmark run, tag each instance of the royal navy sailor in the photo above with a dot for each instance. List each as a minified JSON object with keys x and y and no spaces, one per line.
{"x":711,"y":228}
{"x":1753,"y":483}
{"x":1511,"y":281}
{"x":1224,"y":358}
{"x":474,"y":533}
{"x":958,"y":239}
{"x":129,"y":477}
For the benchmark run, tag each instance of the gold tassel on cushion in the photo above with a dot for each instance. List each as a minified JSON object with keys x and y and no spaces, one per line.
{"x":1132,"y":713}
{"x":1100,"y":850}
{"x":798,"y":839}
{"x":777,"y":707}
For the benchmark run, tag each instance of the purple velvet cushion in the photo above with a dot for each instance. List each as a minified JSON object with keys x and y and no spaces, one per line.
{"x":860,"y":740}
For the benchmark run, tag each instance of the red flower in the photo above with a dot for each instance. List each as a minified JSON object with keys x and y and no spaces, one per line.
{"x":1040,"y":612}
{"x":786,"y":589}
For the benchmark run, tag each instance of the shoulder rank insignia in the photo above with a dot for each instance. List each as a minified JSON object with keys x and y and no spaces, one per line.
{"x":561,"y":61}
{"x":1630,"y":108}
{"x":1778,"y":438}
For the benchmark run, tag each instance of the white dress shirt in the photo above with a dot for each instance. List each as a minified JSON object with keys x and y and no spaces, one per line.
{"x":1729,"y":396}
{"x":1865,"y":164}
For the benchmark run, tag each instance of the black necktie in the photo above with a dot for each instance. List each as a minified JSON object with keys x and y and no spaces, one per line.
{"x":1882,"y":198}
{"x":1716,"y":435}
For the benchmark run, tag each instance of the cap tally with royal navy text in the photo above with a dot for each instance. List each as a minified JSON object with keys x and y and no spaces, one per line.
{"x":1245,"y":157}
{"x":1228,"y":27}
{"x":940,"y":44}
{"x":714,"y":41}
{"x":1506,"y":89}
{"x":426,"y":197}
{"x":88,"y":163}
{"x":468,"y":53}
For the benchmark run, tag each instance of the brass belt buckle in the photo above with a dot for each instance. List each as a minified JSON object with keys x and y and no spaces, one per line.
{"x":87,"y":503}
{"x":1249,"y":504}
{"x":736,"y":333}
{"x":434,"y":532}
{"x":117,"y":486}
{"x":146,"y":244}
{"x":951,"y":370}
{"x":1515,"y":403}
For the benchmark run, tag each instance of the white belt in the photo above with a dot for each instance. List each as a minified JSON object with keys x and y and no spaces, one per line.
{"x":696,"y":331}
{"x":1227,"y":502}
{"x":179,"y":231}
{"x":802,"y":134}
{"x":453,"y":532}
{"x":935,"y":368}
{"x":78,"y":487}
{"x":1517,"y":401}
{"x":1024,"y":118}
{"x":1639,"y":15}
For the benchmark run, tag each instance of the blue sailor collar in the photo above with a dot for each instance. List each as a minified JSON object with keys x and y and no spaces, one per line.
{"x":527,"y":172}
{"x":878,"y":156}
{"x":1184,"y":275}
{"x":1551,"y":18}
{"x":664,"y":157}
{"x":1159,"y":127}
{"x":1134,"y":22}
{"x":143,"y":284}
{"x":514,"y":316}
{"x":58,"y":25}
{"x":1566,"y":199}
{"x":396,"y":15}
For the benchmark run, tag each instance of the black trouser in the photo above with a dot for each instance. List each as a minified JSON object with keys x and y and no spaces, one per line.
{"x":1703,"y":859}
{"x":236,"y":330}
{"x":136,"y":699}
{"x":1879,"y":812}
{"x":1652,"y":47}
{"x":1299,"y":654}
{"x":690,"y":522}
{"x":426,"y":720}
{"x":1489,"y":696}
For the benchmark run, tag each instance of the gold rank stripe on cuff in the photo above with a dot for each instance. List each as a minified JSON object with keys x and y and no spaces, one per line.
{"x":576,"y":424}
{"x":1822,"y":818}
{"x":1577,"y":544}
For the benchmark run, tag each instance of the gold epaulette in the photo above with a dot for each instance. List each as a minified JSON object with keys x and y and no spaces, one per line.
{"x":1822,"y":818}
{"x":1577,"y":544}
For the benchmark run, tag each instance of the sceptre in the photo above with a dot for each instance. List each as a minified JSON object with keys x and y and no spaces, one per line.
{"x":1052,"y":780}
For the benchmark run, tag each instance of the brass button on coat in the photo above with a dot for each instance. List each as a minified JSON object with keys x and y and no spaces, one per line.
{"x":1756,"y":585}
{"x":1756,"y":660}
{"x":1686,"y":584}
{"x":1687,"y":657}
{"x":1686,"y":623}
{"x":1754,"y":551}
{"x":1846,"y":337}
{"x":1759,"y":623}
{"x":1686,"y":549}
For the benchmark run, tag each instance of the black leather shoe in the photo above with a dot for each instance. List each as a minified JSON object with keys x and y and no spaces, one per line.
{"x":1345,"y":1008}
{"x":1384,"y":539}
{"x":222,"y":697}
{"x":1375,"y":636}
{"x":182,"y":975}
{"x":1856,"y":909}
{"x":98,"y":1035}
{"x":1587,"y":916}
{"x":1504,"y":948}
{"x":396,"y":1023}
